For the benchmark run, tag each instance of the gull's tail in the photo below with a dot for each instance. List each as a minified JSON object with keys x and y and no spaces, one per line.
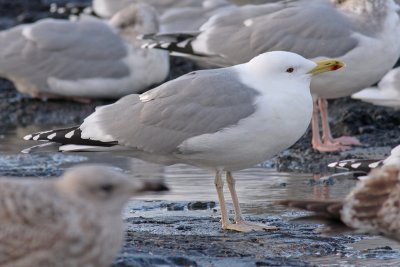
{"x":179,"y":44}
{"x":362,"y":165}
{"x":66,"y":139}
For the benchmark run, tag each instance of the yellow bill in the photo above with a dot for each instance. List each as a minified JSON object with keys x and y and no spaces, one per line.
{"x":326,"y":65}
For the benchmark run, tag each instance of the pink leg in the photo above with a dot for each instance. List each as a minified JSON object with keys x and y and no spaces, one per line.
{"x":326,"y":130}
{"x":316,"y":139}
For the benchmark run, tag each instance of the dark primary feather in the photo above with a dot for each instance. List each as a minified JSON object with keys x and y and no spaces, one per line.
{"x":59,"y":136}
{"x":363,"y":165}
{"x":174,"y":42}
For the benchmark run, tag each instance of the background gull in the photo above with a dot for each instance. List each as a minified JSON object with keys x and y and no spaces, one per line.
{"x":371,"y":207}
{"x":71,"y":221}
{"x":89,"y":58}
{"x":222,"y":120}
{"x":386,"y":94}
{"x":191,"y":18}
{"x":355,"y":31}
{"x":366,"y":165}
{"x":107,"y":8}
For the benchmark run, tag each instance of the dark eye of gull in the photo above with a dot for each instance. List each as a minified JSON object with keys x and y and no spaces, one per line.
{"x":107,"y":188}
{"x":290,"y":70}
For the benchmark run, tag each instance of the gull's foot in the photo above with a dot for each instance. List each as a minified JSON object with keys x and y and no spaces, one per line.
{"x":243,"y":226}
{"x":330,"y":147}
{"x":347,"y":141}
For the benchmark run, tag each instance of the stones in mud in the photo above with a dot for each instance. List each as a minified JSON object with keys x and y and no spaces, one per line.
{"x":199,"y":205}
{"x":196,"y":205}
{"x":147,"y":261}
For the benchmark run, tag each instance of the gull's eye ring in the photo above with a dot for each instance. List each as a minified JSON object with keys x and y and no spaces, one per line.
{"x":290,"y":70}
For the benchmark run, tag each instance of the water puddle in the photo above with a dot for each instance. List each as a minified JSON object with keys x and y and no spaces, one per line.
{"x":193,"y":194}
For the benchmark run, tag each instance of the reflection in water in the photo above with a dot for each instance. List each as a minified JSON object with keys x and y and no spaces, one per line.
{"x":257,"y":188}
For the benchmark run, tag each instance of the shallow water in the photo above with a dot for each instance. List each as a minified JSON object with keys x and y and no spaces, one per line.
{"x":257,"y":189}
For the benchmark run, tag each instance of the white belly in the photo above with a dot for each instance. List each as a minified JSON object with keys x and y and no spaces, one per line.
{"x":280,"y":120}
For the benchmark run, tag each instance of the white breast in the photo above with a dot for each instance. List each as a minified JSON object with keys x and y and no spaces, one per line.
{"x":281,"y":118}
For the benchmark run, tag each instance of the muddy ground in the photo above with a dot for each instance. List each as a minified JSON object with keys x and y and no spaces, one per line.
{"x":193,"y":240}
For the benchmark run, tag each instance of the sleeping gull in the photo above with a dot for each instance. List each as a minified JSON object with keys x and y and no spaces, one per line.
{"x":351,"y":30}
{"x":89,"y":58}
{"x":223,"y":120}
{"x":71,"y":221}
{"x":386,"y":94}
{"x":371,"y":207}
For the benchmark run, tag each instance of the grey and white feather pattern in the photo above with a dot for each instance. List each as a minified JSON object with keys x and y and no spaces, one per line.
{"x":82,"y":59}
{"x":251,"y":30}
{"x":212,"y":99}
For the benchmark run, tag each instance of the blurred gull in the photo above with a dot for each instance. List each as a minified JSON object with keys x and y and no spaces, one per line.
{"x":88,"y":58}
{"x":362,"y":33}
{"x":386,"y":94}
{"x":107,"y":8}
{"x":191,"y":18}
{"x":371,"y":207}
{"x":366,"y":165}
{"x":222,"y":120}
{"x":71,"y":221}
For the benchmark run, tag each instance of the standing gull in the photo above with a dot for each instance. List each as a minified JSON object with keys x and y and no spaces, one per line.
{"x":88,"y":58}
{"x":386,"y":94}
{"x":71,"y":221}
{"x":221,"y":119}
{"x":371,"y":207}
{"x":362,"y":33}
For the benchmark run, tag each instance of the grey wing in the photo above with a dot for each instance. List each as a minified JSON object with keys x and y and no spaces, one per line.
{"x":309,"y":28}
{"x":159,"y":120}
{"x":61,"y":49}
{"x":29,"y":226}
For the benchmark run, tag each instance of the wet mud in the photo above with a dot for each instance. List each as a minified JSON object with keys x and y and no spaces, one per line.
{"x":189,"y":233}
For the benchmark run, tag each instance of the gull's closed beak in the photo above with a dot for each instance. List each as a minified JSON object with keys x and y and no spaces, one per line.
{"x":326,"y":65}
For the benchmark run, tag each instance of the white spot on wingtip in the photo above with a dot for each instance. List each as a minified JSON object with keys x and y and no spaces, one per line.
{"x":332,"y":165}
{"x":374,"y":165}
{"x":248,"y":22}
{"x":152,"y":45}
{"x":36,"y":137}
{"x":342,"y":164}
{"x":28,"y":137}
{"x":51,"y":136}
{"x":355,"y":165}
{"x":70,"y":134}
{"x":165,"y":45}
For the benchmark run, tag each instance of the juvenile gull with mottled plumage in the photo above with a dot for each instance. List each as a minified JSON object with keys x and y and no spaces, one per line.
{"x":371,"y":207}
{"x":89,"y":58}
{"x":362,"y":33}
{"x":71,"y":221}
{"x":223,"y":120}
